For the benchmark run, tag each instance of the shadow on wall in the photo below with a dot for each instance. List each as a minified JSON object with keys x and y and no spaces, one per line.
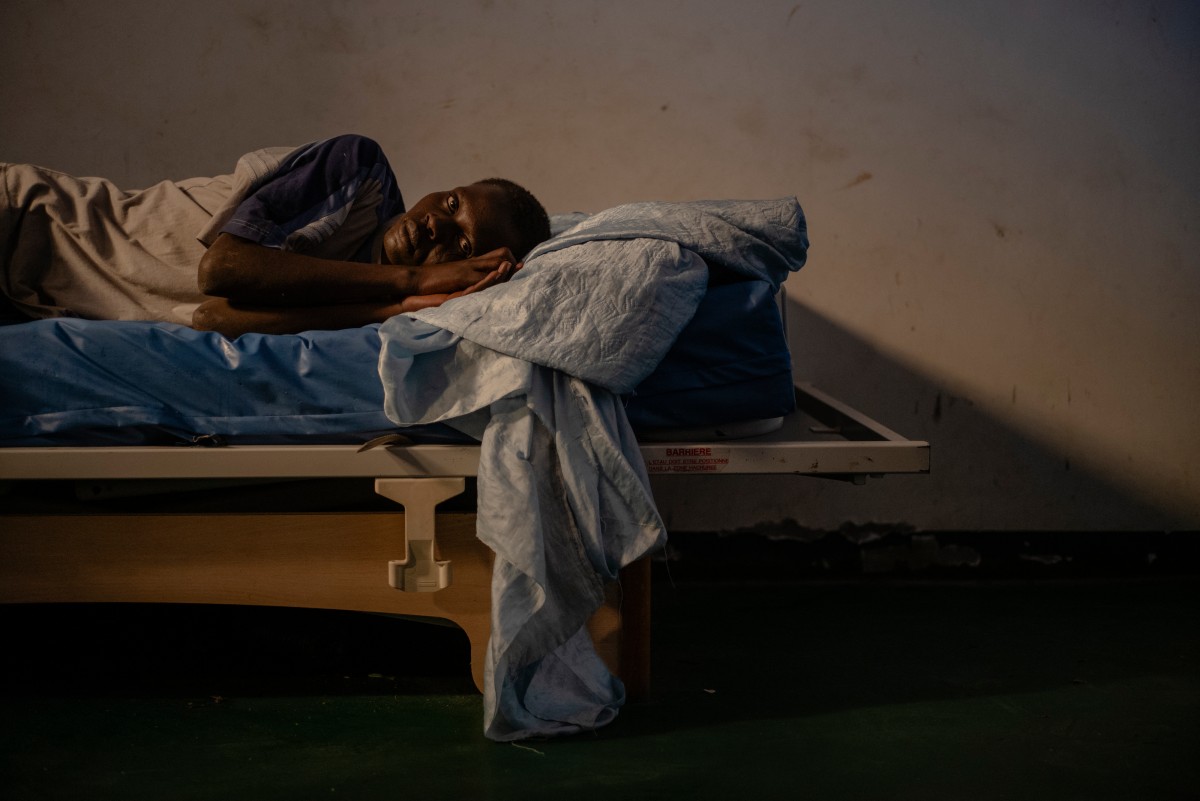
{"x":986,"y":476}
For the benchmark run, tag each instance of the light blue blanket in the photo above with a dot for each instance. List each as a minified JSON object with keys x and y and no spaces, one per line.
{"x":534,"y":369}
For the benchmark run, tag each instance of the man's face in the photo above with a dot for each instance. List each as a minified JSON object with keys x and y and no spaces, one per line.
{"x":450,"y":226}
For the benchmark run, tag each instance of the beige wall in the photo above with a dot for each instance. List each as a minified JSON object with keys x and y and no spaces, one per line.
{"x":1003,"y":196}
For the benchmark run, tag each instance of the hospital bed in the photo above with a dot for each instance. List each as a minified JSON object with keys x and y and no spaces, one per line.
{"x":413,"y":563}
{"x":122,"y":413}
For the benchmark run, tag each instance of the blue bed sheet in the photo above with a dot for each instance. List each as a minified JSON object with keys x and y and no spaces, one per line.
{"x":82,"y":382}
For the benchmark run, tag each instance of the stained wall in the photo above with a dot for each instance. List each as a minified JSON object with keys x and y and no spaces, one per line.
{"x":1003,"y":197}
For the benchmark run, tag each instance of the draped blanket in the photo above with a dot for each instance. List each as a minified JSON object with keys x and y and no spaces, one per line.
{"x":535,"y":369}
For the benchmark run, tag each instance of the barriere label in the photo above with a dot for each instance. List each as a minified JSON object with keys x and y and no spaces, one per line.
{"x":698,"y":459}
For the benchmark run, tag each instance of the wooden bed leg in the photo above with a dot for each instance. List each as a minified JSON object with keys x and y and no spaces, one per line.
{"x":620,"y":629}
{"x":635,"y":629}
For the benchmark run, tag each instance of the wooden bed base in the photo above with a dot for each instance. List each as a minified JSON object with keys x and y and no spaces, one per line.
{"x":314,"y":560}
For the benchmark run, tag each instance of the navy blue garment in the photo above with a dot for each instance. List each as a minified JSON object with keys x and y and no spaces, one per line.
{"x":341,"y":187}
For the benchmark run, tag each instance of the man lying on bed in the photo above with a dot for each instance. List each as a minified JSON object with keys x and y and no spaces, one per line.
{"x":293,"y":240}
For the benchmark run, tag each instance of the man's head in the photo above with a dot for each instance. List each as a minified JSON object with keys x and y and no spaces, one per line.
{"x":466,"y":221}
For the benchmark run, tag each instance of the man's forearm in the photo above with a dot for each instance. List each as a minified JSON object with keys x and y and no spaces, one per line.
{"x":249,"y":273}
{"x":233,"y":320}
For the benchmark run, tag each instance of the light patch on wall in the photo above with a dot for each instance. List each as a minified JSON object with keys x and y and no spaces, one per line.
{"x":752,"y":121}
{"x":822,"y":149}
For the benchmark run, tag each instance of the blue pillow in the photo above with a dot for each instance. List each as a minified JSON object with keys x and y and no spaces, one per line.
{"x":730,"y":363}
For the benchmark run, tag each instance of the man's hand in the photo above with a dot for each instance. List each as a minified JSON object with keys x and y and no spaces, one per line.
{"x":453,"y":278}
{"x":498,"y":276}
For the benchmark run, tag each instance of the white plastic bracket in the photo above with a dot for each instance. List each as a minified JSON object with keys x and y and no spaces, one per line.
{"x":419,"y":571}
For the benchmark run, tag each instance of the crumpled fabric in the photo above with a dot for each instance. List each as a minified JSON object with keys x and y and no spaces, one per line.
{"x":534,"y":369}
{"x":84,"y":247}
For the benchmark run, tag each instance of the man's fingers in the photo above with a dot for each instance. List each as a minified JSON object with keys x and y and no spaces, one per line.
{"x":491,"y":279}
{"x":501,"y":264}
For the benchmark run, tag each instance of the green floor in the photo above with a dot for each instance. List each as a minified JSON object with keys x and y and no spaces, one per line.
{"x":857,"y":689}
